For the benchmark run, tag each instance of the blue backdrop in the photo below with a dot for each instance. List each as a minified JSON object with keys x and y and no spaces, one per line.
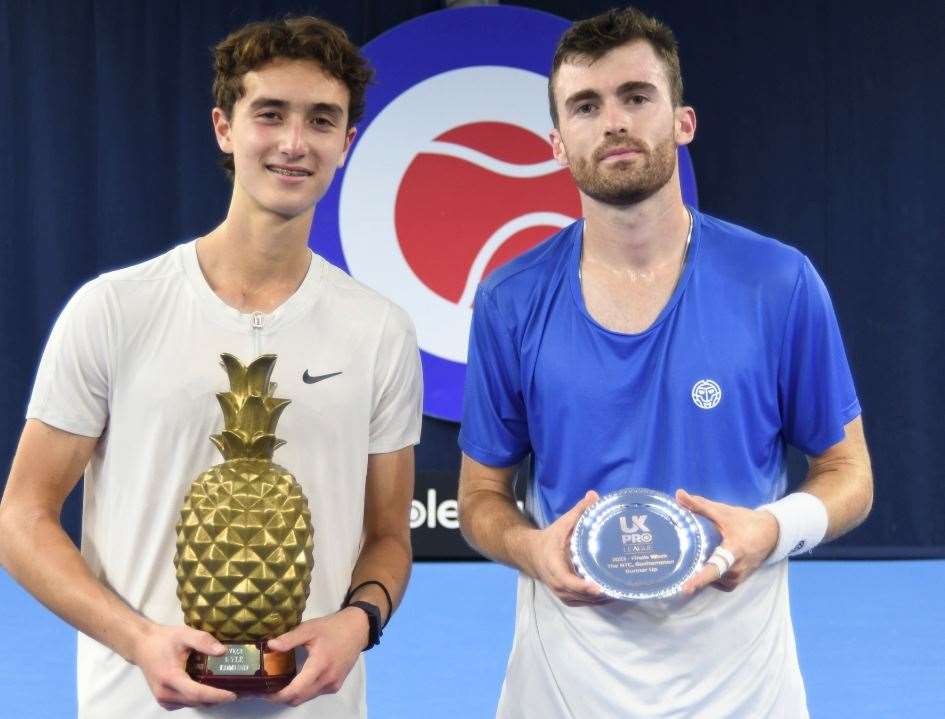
{"x":817,"y":124}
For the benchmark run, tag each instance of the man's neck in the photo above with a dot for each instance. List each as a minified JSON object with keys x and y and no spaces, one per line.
{"x":255,"y":260}
{"x":639,"y":237}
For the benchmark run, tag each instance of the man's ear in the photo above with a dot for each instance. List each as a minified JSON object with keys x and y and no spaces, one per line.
{"x":221,"y":128}
{"x":685,"y":122}
{"x":349,"y":138}
{"x":558,"y":148}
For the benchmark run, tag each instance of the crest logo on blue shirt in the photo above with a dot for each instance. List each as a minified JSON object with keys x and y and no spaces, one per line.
{"x":706,"y":394}
{"x":452,"y":174}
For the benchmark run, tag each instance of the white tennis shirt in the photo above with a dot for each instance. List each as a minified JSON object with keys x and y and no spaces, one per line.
{"x":717,"y":655}
{"x":135,"y":358}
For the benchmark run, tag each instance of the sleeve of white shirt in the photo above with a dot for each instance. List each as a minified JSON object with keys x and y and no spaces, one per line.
{"x":398,"y":386}
{"x":71,"y":391}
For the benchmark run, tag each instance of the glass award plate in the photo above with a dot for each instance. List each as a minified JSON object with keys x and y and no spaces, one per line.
{"x":639,"y":543}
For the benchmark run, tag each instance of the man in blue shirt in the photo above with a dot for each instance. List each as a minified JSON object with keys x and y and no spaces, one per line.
{"x":652,"y":345}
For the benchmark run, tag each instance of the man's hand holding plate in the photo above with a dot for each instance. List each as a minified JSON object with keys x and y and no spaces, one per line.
{"x":549,"y":554}
{"x":748,"y":537}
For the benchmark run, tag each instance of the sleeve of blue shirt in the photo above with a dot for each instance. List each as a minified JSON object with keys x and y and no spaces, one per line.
{"x":495,"y":427}
{"x":815,"y":387}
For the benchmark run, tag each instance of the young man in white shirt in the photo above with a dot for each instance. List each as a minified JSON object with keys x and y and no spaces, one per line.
{"x":125,"y":395}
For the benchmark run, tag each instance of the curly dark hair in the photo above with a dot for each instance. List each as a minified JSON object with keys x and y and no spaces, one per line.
{"x":595,"y":37}
{"x":294,"y":38}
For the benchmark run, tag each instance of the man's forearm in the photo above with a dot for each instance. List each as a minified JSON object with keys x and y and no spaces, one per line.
{"x":386,"y":559}
{"x":493,"y":525}
{"x":842,"y":479}
{"x":846,"y":489}
{"x":40,"y":556}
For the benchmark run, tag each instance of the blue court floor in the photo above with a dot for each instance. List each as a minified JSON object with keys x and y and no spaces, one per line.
{"x":871,"y":639}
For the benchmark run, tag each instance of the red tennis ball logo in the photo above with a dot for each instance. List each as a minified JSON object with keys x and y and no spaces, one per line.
{"x":459,"y":200}
{"x":451,"y":179}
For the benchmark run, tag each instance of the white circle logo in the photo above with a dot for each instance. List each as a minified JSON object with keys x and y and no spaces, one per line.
{"x":706,"y":394}
{"x":398,"y":233}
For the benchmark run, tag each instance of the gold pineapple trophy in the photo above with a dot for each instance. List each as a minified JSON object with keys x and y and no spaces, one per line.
{"x":244,"y":542}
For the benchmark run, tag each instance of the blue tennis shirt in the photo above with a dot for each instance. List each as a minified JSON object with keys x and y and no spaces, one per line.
{"x":745,"y":357}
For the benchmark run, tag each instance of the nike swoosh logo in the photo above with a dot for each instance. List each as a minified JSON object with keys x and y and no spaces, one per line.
{"x":308,"y":379}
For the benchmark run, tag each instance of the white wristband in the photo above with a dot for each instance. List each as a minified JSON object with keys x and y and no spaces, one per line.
{"x":802,"y":519}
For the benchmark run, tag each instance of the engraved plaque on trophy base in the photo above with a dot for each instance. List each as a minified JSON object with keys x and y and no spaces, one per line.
{"x":244,"y":669}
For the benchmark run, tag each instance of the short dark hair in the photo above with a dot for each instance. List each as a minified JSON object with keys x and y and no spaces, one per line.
{"x":595,"y":37}
{"x":293,"y":38}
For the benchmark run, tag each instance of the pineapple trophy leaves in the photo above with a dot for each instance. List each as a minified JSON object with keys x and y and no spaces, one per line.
{"x":244,"y":541}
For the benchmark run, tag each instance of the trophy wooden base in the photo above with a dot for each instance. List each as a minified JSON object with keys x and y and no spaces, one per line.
{"x":246,"y":668}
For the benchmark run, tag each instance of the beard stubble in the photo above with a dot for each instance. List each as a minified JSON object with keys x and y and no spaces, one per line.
{"x":626,"y":182}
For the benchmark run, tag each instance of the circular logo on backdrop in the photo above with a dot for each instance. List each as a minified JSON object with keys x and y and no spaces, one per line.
{"x":451,"y":175}
{"x":468,"y":184}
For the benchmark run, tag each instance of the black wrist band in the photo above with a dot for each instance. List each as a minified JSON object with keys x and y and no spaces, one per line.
{"x":390,"y":604}
{"x":374,"y":622}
